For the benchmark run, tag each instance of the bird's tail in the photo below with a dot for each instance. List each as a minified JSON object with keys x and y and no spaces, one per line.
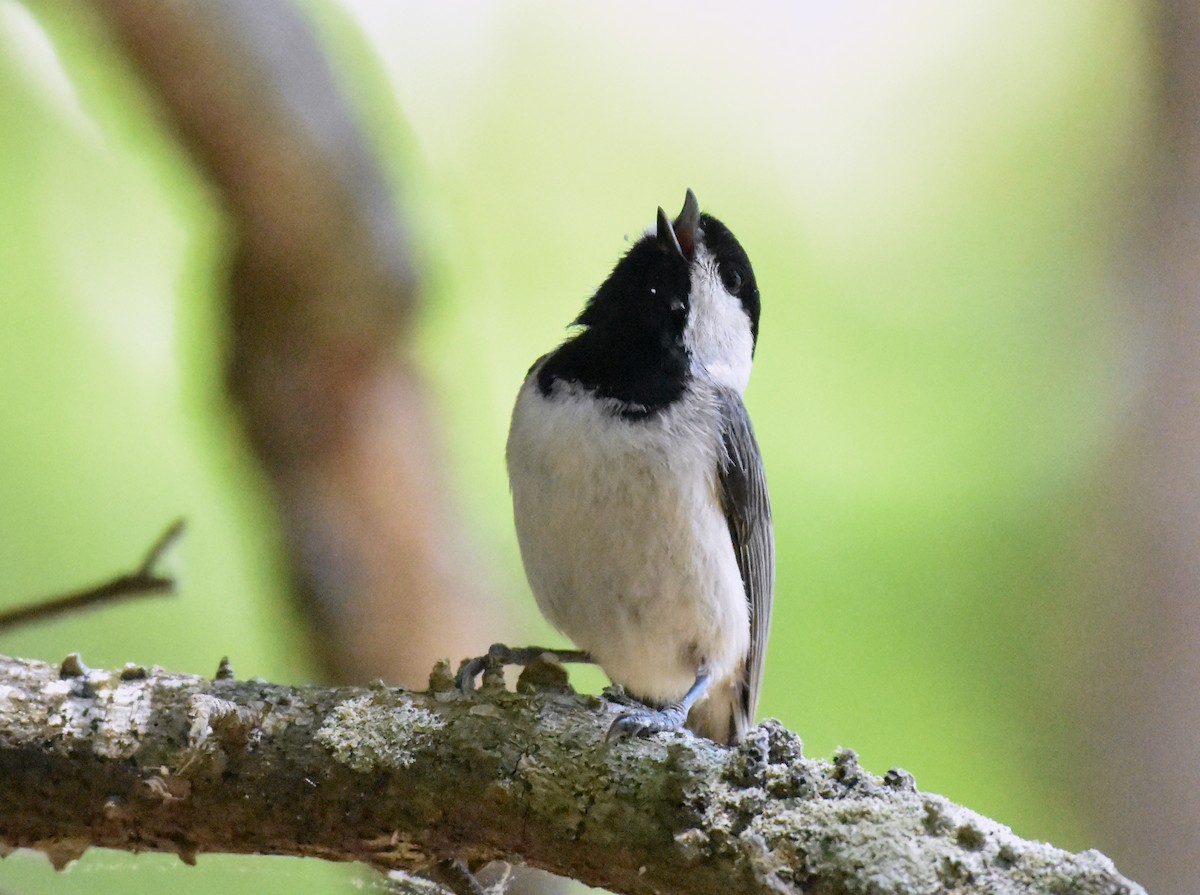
{"x":721,"y":715}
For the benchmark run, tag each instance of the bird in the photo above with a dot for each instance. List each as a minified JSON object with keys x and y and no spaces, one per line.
{"x":639,"y":497}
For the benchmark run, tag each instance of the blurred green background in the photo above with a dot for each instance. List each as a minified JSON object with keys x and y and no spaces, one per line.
{"x":931,"y":197}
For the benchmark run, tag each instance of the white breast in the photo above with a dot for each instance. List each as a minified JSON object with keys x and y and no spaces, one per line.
{"x":624,"y":543}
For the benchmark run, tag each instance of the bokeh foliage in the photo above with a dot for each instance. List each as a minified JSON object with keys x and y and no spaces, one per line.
{"x":933,"y":201}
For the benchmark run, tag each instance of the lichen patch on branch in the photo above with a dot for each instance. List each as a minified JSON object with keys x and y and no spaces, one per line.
{"x":364,"y":734}
{"x":96,"y":709}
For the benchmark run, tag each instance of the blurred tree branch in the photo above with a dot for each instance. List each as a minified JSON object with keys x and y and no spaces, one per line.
{"x":145,"y":760}
{"x":321,"y":304}
{"x":1139,"y":693}
{"x":145,"y":580}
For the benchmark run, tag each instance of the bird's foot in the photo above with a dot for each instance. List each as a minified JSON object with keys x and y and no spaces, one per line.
{"x":645,"y":721}
{"x":499,"y":655}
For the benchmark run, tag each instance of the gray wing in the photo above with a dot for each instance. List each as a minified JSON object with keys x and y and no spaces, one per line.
{"x":743,"y":489}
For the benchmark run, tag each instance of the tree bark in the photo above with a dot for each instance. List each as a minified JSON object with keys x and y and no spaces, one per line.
{"x":143,"y":760}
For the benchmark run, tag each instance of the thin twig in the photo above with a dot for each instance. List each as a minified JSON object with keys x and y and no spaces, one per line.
{"x":142,"y":582}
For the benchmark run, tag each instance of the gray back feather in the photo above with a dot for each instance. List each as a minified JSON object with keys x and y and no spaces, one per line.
{"x":748,"y":512}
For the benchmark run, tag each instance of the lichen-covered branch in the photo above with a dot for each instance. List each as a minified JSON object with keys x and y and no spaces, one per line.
{"x":140,"y":759}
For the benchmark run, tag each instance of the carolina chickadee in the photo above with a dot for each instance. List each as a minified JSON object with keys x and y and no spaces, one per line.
{"x":638,"y":490}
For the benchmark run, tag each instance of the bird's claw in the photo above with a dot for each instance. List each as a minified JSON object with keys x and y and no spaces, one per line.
{"x":498,"y":655}
{"x":644,"y":722}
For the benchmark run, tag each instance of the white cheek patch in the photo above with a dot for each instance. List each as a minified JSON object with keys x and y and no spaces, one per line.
{"x":718,"y":329}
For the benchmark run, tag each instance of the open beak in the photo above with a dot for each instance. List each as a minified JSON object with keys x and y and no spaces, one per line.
{"x":680,"y":237}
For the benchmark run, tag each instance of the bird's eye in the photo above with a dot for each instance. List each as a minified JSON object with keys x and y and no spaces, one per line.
{"x":732,"y":280}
